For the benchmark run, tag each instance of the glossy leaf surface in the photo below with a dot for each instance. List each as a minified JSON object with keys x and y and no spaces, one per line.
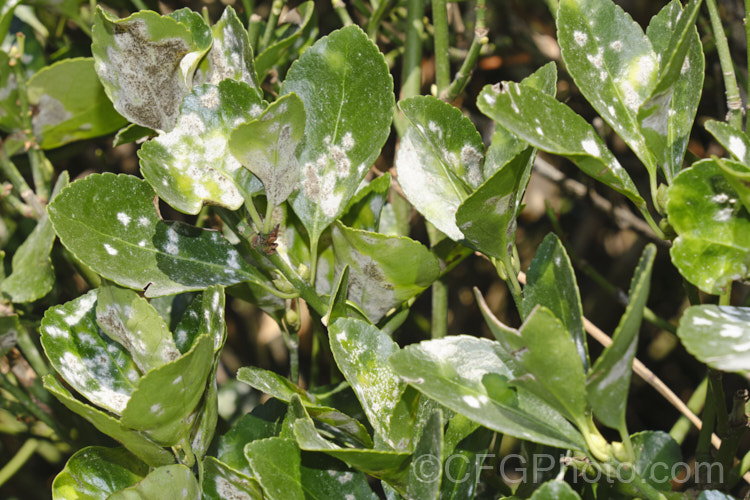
{"x":717,"y":335}
{"x":713,"y":244}
{"x":95,"y":472}
{"x":338,"y":78}
{"x":110,"y":223}
{"x":191,"y":165}
{"x":609,"y":378}
{"x":384,"y":271}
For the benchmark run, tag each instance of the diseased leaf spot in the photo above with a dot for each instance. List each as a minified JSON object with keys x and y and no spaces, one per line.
{"x":110,"y":249}
{"x":123,"y":218}
{"x":591,"y":147}
{"x":737,"y":147}
{"x":580,"y":38}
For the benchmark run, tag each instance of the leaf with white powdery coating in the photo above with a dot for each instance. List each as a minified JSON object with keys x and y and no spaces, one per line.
{"x":666,"y":118}
{"x":712,"y":248}
{"x":230,"y":56}
{"x":347,"y":91}
{"x":733,"y":140}
{"x":609,"y":379}
{"x":551,"y":126}
{"x":110,"y":222}
{"x":169,"y":481}
{"x":93,"y":364}
{"x":71,"y":104}
{"x":361,"y":352}
{"x":221,"y":482}
{"x":384,"y":271}
{"x":439,"y":161}
{"x":268,"y":146}
{"x":191,"y":165}
{"x":718,"y":336}
{"x":96,"y":472}
{"x":612,"y":62}
{"x":139,"y":62}
{"x":132,"y":322}
{"x":551,"y":282}
{"x":275,"y":463}
{"x":136,"y":442}
{"x":468,"y":375}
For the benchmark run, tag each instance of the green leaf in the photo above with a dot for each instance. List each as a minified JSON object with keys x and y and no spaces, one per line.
{"x":666,"y":118}
{"x":302,"y":20}
{"x":714,"y":495}
{"x":738,"y":176}
{"x":347,"y":91}
{"x":337,"y":302}
{"x":361,"y":352}
{"x":132,"y":322}
{"x":205,"y":314}
{"x":284,"y":390}
{"x":561,"y":384}
{"x":452,"y":371}
{"x":110,"y":223}
{"x":713,"y":244}
{"x":735,"y":141}
{"x":717,"y":335}
{"x":325,"y":478}
{"x":231,"y":55}
{"x":551,"y":126}
{"x":263,"y":422}
{"x":33,"y":275}
{"x":425,"y":470}
{"x":93,"y":364}
{"x":613,"y":63}
{"x":142,"y":64}
{"x":221,"y":482}
{"x":6,"y":16}
{"x":131,"y":133}
{"x":191,"y":165}
{"x":10,"y":111}
{"x":367,"y":204}
{"x":167,"y":395}
{"x":137,"y":443}
{"x":609,"y":379}
{"x":384,"y":271}
{"x":463,"y":463}
{"x":169,"y":481}
{"x":656,"y":455}
{"x":71,"y":104}
{"x":198,"y":28}
{"x":555,"y":490}
{"x":375,"y":462}
{"x":275,"y":463}
{"x":439,"y":161}
{"x":267,"y":146}
{"x":487,"y":218}
{"x":95,"y":472}
{"x":551,"y":282}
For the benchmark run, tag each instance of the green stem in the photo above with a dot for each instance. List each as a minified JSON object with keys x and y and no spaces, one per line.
{"x":21,"y":457}
{"x":314,"y":261}
{"x":16,"y":204}
{"x":718,"y":400}
{"x":273,"y":19}
{"x":681,"y":428}
{"x":442,"y":58}
{"x":268,"y":219}
{"x":31,"y":352}
{"x":249,"y":7}
{"x":737,"y":427}
{"x":90,"y":277}
{"x":650,"y":220}
{"x":20,"y":185}
{"x":734,"y":101}
{"x":36,"y":157}
{"x":139,"y":4}
{"x":708,"y":418}
{"x":467,"y":68}
{"x":306,"y":291}
{"x":253,"y":31}
{"x":411,"y":76}
{"x":725,"y":299}
{"x":340,"y":8}
{"x":29,"y":404}
{"x":254,"y":215}
{"x":374,"y":22}
{"x":512,"y":281}
{"x":439,"y":290}
{"x":747,"y":38}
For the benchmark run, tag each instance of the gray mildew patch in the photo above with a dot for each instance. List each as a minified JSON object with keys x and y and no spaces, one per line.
{"x":50,"y":112}
{"x":143,"y":75}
